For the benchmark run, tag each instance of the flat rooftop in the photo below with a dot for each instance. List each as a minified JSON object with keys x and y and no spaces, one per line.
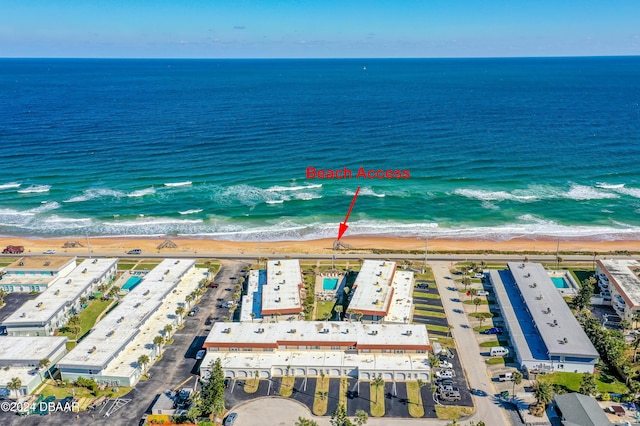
{"x":281,"y":293}
{"x":27,"y":349}
{"x":559,"y":329}
{"x":372,"y":290}
{"x":514,"y":311}
{"x":122,"y":324}
{"x":402,"y":300}
{"x":620,"y":273}
{"x":326,"y":333}
{"x":249,"y":300}
{"x":42,"y":263}
{"x":63,"y":291}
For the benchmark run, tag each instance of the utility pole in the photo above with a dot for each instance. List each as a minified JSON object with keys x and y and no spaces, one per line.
{"x":426,"y":250}
{"x":557,"y":255}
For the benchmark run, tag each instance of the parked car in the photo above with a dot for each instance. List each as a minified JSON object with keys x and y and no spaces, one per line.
{"x":445,"y":364}
{"x":506,"y":377}
{"x":494,"y":330}
{"x":231,"y":419}
{"x":482,"y":293}
{"x":201,"y":354}
{"x":499,"y":351}
{"x":445,"y":382}
{"x":213,"y":285}
{"x":49,"y":252}
{"x":478,"y":275}
{"x":444,"y":374}
{"x":422,"y":285}
{"x":134,"y":251}
{"x":451,"y":395}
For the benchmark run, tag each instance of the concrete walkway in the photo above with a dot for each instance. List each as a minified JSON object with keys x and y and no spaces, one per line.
{"x":472,"y":362}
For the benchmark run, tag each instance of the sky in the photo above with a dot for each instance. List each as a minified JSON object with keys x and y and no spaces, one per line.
{"x":318,"y":28}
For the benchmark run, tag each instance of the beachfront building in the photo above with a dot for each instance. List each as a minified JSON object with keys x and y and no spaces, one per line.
{"x":34,"y":273}
{"x":109,"y":354}
{"x":381,"y":293}
{"x":618,"y":279}
{"x":20,"y":357}
{"x":545,"y":334}
{"x":274,"y":294}
{"x":53,"y":307}
{"x":396,"y":352}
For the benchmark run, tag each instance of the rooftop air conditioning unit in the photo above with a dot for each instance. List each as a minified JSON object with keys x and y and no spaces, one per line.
{"x":95,"y":261}
{"x":68,"y":281}
{"x":47,"y":263}
{"x":293,"y":331}
{"x":84,"y":271}
{"x":555,"y":322}
{"x":109,"y":334}
{"x":346,"y":331}
{"x":39,"y":304}
{"x":527,"y":275}
{"x":566,"y":340}
{"x":409,"y":332}
{"x":534,"y":285}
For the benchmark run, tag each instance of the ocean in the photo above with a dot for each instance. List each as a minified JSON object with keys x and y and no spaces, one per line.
{"x":495,"y":148}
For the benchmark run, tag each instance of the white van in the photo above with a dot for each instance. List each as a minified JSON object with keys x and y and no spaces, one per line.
{"x":499,"y":351}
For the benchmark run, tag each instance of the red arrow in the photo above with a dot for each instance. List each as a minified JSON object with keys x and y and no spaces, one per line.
{"x":343,"y":225}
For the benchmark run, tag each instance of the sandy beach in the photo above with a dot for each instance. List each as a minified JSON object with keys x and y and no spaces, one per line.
{"x":357,"y":244}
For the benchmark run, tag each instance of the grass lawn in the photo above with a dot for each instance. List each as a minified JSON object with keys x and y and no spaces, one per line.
{"x":429,"y":307}
{"x":429,"y":313}
{"x":434,"y":327}
{"x":479,"y":329}
{"x":452,"y":412}
{"x":125,"y":266}
{"x":343,"y":392}
{"x":425,"y":295}
{"x":251,"y":385}
{"x":415,"y":400}
{"x":286,"y":387}
{"x":499,"y":360}
{"x":571,"y":381}
{"x":482,"y":302}
{"x":148,"y":266}
{"x":482,"y":314}
{"x":80,"y":392}
{"x":320,"y":403}
{"x":428,"y":275}
{"x":323,"y":308}
{"x":88,"y":316}
{"x":377,"y":394}
{"x":494,"y":343}
{"x":446,"y":342}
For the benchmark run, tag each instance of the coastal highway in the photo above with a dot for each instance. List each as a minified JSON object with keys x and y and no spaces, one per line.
{"x":342,"y":255}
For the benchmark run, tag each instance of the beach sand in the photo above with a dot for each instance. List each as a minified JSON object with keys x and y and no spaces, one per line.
{"x":359,"y":245}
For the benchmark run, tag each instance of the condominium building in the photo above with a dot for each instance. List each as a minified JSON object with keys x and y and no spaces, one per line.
{"x":35,"y":273}
{"x":618,"y":279}
{"x":53,"y":307}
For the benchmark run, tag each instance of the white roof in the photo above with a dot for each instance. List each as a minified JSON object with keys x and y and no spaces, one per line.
{"x":402,"y":300}
{"x":553,"y":318}
{"x":625,"y":280}
{"x":121,"y":325}
{"x":318,"y":333}
{"x":247,"y":300}
{"x":29,"y":348}
{"x":372,"y":288}
{"x":65,"y":290}
{"x":282,"y":289}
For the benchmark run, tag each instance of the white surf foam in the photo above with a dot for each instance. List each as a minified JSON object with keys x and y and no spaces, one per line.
{"x":632,"y":192}
{"x":274,"y":201}
{"x":483,"y":195}
{"x":367,"y":191}
{"x":142,"y":192}
{"x":279,"y":188}
{"x":46,"y":207}
{"x":174,"y":184}
{"x":34,"y":189}
{"x":605,"y":185}
{"x":91,"y":194}
{"x":582,"y":192}
{"x":10,"y":185}
{"x":194,"y":211}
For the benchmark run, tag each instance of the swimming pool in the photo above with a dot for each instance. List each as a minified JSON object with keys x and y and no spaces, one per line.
{"x":560,"y":282}
{"x":131,"y":283}
{"x":329,"y":283}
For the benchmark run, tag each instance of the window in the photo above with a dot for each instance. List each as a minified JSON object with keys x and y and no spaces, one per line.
{"x":315,"y":347}
{"x":399,"y":351}
{"x":365,"y":351}
{"x":335,"y":348}
{"x":247,"y":349}
{"x":386,"y":351}
{"x":421,"y":351}
{"x":233,"y":349}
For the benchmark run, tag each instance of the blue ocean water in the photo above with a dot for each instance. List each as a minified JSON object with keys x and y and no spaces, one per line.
{"x":496,"y":148}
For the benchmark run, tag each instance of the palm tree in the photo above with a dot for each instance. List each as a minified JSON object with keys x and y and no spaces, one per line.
{"x":277,"y":315}
{"x":477,"y":301}
{"x":359,"y":315}
{"x":625,"y":324}
{"x":377,"y":382}
{"x":114,"y":293}
{"x":83,"y":301}
{"x":543,"y":393}
{"x":338,"y":309}
{"x":45,"y":363}
{"x":158,"y":341}
{"x":636,"y":319}
{"x":305,"y":422}
{"x":636,"y":343}
{"x":74,"y":325}
{"x":322,"y":395}
{"x":516,"y":378}
{"x":167,"y":331}
{"x":252,"y":315}
{"x":180,"y":312}
{"x":465,"y":282}
{"x":449,"y":330}
{"x":143,"y":360}
{"x":189,"y":299}
{"x":14,"y":385}
{"x":361,"y":417}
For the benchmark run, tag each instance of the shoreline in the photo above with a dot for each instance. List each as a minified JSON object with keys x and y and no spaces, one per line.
{"x":358,"y":244}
